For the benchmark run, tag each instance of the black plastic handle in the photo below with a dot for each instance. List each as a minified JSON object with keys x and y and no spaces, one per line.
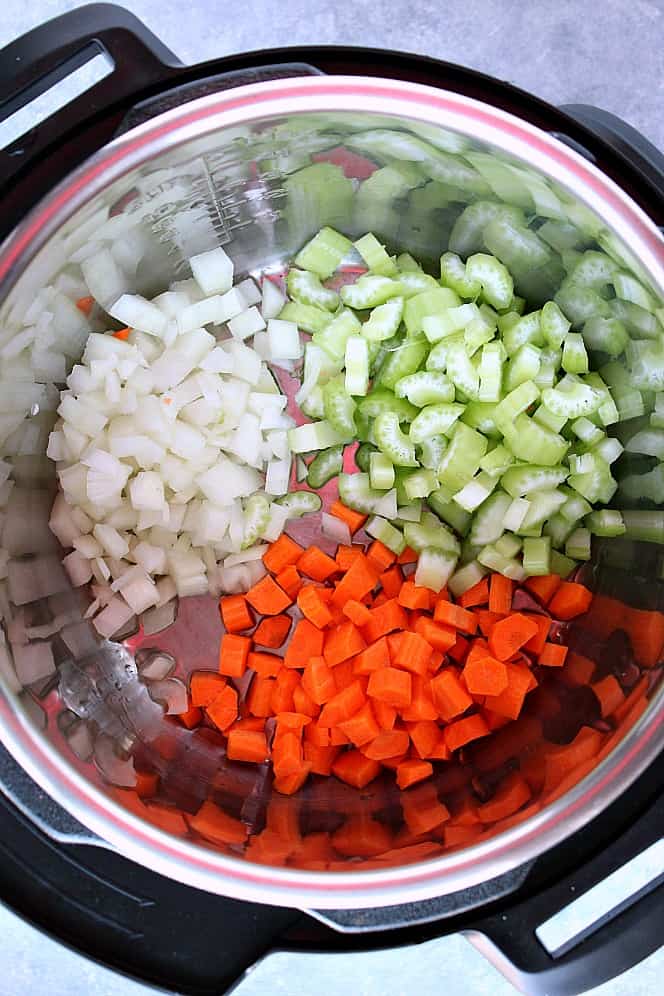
{"x":32,"y":64}
{"x":617,"y":943}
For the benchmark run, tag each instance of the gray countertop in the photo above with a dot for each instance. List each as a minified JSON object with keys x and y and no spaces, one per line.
{"x":571,"y":51}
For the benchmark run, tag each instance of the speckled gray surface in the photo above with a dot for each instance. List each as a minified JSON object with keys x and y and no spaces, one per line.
{"x":610,"y":54}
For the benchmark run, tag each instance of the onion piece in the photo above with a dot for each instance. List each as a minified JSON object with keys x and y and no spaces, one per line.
{"x":154,"y":665}
{"x":116,"y":770}
{"x":172,"y":693}
{"x":79,"y":740}
{"x":159,"y":617}
{"x":335,"y":529}
{"x":33,"y":662}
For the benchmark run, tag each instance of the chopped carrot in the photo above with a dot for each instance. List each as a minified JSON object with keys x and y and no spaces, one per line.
{"x":459,"y":649}
{"x":509,"y":703}
{"x":306,"y":642}
{"x":413,"y":596}
{"x":191,"y":718}
{"x":122,"y":334}
{"x":360,"y":578}
{"x":552,"y":655}
{"x":214,"y":824}
{"x":453,"y":615}
{"x":424,"y":736}
{"x":344,"y":675}
{"x":561,"y":760}
{"x":318,"y":681}
{"x":510,"y":634}
{"x":338,"y":738}
{"x":289,"y":579}
{"x":485,"y":676}
{"x":477,"y":595}
{"x":386,"y":714}
{"x":354,"y":520}
{"x":646,"y":631}
{"x":247,"y":745}
{"x":272,"y":631}
{"x":267,"y":598}
{"x":289,"y":784}
{"x":380,"y":556}
{"x":570,"y":600}
{"x":462,"y":731}
{"x":408,"y":556}
{"x":355,"y":769}
{"x":204,"y":686}
{"x":346,"y":555}
{"x":375,"y":656}
{"x":535,"y":644}
{"x":282,"y":691}
{"x":223,"y":709}
{"x":304,"y":703}
{"x":391,"y":581}
{"x":259,"y":699}
{"x":449,"y":696}
{"x":85,"y":304}
{"x":461,"y":836}
{"x":341,"y":642}
{"x":413,"y":654}
{"x":235,"y":613}
{"x":543,"y":587}
{"x":167,"y":818}
{"x":282,"y":553}
{"x":233,"y":654}
{"x":486,"y":620}
{"x":609,"y":694}
{"x":356,"y":612}
{"x":321,"y":759}
{"x":287,"y":755}
{"x":313,"y":607}
{"x":421,"y":703}
{"x":390,"y":685}
{"x":316,"y":564}
{"x":266,"y":665}
{"x":384,"y":619}
{"x":440,"y":637}
{"x":343,"y":705}
{"x":388,"y":743}
{"x":422,"y":809}
{"x":147,"y":783}
{"x":479,"y":649}
{"x":578,"y":670}
{"x":361,"y":835}
{"x":500,"y":594}
{"x":411,"y":771}
{"x":511,"y":795}
{"x":362,"y":727}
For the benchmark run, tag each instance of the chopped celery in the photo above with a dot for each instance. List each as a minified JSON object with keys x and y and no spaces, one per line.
{"x":325,"y":465}
{"x":437,"y":358}
{"x":588,"y":433}
{"x":430,"y":534}
{"x":546,"y":417}
{"x":434,"y":568}
{"x":525,"y":329}
{"x":575,"y":358}
{"x":481,"y":415}
{"x":335,"y":335}
{"x":575,"y":507}
{"x":438,"y":326}
{"x":593,"y":269}
{"x":462,"y":457}
{"x":524,"y":365}
{"x":375,"y":256}
{"x":416,"y":283}
{"x":606,"y":522}
{"x":306,"y":316}
{"x":356,"y":492}
{"x":571,"y":398}
{"x":519,"y":481}
{"x":301,"y":470}
{"x":430,"y":451}
{"x":533,"y":443}
{"x":648,"y":441}
{"x":434,"y":420}
{"x":487,"y":525}
{"x":406,"y":264}
{"x":363,"y":456}
{"x":393,"y":442}
{"x":554,"y":325}
{"x":306,"y":287}
{"x":449,"y":511}
{"x":639,"y":322}
{"x":419,"y":483}
{"x":578,"y":544}
{"x":369,"y":291}
{"x":323,"y":254}
{"x":478,"y":332}
{"x":476,"y":491}
{"x":426,"y":387}
{"x":300,"y":503}
{"x":561,"y":565}
{"x":629,"y":289}
{"x":537,"y":556}
{"x":381,"y":400}
{"x":490,"y":558}
{"x":515,"y":244}
{"x":516,"y":402}
{"x":453,"y":275}
{"x":339,"y":407}
{"x":491,"y":372}
{"x":508,"y":545}
{"x":467,"y":235}
{"x":312,"y":407}
{"x":497,"y":460}
{"x":401,"y":361}
{"x":515,"y":514}
{"x":644,"y":525}
{"x":430,"y":302}
{"x":646,"y":360}
{"x":606,"y":334}
{"x":356,"y":363}
{"x":579,"y":303}
{"x":466,"y":577}
{"x":495,"y":278}
{"x":386,"y":533}
{"x":461,"y":371}
{"x":313,"y":436}
{"x":381,"y":472}
{"x":543,"y":504}
{"x":412,"y":512}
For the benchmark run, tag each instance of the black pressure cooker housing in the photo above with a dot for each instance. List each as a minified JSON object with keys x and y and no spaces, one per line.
{"x":52,"y":871}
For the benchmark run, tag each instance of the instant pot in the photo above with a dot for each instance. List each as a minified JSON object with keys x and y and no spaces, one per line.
{"x":220,"y":139}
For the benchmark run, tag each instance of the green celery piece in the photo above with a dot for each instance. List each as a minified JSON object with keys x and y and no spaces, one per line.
{"x":532,"y":443}
{"x":515,"y":245}
{"x":462,"y":372}
{"x":434,"y":568}
{"x":434,"y":420}
{"x":526,"y":329}
{"x":481,"y":415}
{"x":579,"y":303}
{"x":461,"y":459}
{"x":449,"y":511}
{"x":356,"y":492}
{"x":305,"y":316}
{"x":386,"y":533}
{"x":488,"y":522}
{"x":575,"y":358}
{"x":380,"y":399}
{"x":420,"y":536}
{"x":453,"y":275}
{"x":334,"y":336}
{"x":300,"y":503}
{"x":325,"y":465}
{"x":316,"y":196}
{"x":578,"y":544}
{"x":384,"y":320}
{"x":495,"y":278}
{"x":381,"y":471}
{"x":323,"y":254}
{"x":393,"y":442}
{"x":554,"y":325}
{"x":430,"y":451}
{"x":363,"y":456}
{"x":519,"y":481}
{"x":606,"y":522}
{"x":467,"y":235}
{"x":537,"y":556}
{"x":369,"y":291}
{"x":429,"y":302}
{"x":375,"y":255}
{"x":425,"y":387}
{"x":608,"y":335}
{"x":304,"y":286}
{"x":339,"y":407}
{"x":419,"y":483}
{"x":404,"y":359}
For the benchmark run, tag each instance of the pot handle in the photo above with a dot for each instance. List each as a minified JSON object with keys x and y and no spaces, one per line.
{"x":624,"y":138}
{"x":34,"y":63}
{"x":619,"y":939}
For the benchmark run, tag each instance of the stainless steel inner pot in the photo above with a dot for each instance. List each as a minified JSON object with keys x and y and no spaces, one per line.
{"x":219,"y":170}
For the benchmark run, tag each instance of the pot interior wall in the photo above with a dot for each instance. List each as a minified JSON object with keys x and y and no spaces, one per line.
{"x":260,"y":191}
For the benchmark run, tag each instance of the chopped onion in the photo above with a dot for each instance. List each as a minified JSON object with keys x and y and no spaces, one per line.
{"x":115,"y":769}
{"x":172,"y":693}
{"x":33,"y":662}
{"x":159,"y":617}
{"x":78,"y":568}
{"x":113,"y":617}
{"x":335,"y":529}
{"x":154,"y":665}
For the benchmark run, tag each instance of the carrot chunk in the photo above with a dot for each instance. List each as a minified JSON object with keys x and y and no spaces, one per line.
{"x":282,"y":553}
{"x":233,"y":654}
{"x":511,"y":633}
{"x":316,"y":564}
{"x":570,"y":600}
{"x":267,"y":598}
{"x":272,"y":631}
